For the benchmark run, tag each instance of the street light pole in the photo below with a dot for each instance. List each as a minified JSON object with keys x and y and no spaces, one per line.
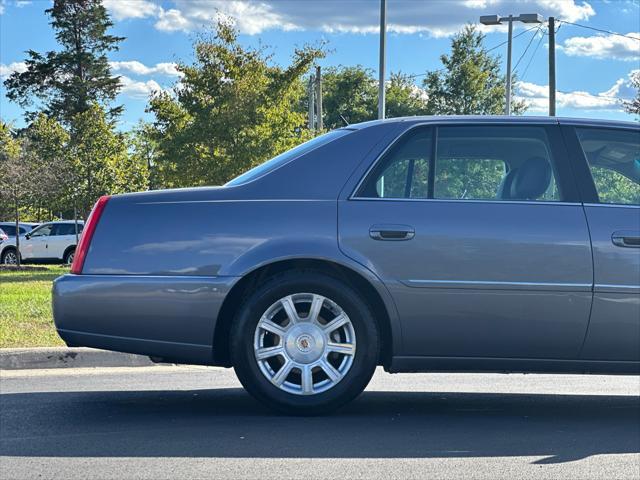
{"x":552,"y":67}
{"x":498,"y":20}
{"x":383,"y":44}
{"x":507,"y":106}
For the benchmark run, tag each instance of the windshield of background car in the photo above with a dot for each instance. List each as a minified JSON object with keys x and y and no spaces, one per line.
{"x":287,"y":156}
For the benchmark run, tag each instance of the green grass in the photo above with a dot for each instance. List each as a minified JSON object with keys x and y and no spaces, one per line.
{"x":25,"y":308}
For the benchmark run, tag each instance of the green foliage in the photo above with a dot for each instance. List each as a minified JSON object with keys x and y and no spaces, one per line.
{"x":100,"y":159}
{"x":613,"y":187}
{"x":633,"y":105}
{"x":351,"y":92}
{"x":69,"y":81}
{"x":470,"y":82}
{"x":232,"y":111}
{"x":403,"y":97}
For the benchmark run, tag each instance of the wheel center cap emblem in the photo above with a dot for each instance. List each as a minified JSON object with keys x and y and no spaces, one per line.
{"x":304,"y":343}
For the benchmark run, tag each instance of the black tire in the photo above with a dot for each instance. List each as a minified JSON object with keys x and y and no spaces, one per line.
{"x":298,"y":281}
{"x":5,"y":254}
{"x":68,"y":256}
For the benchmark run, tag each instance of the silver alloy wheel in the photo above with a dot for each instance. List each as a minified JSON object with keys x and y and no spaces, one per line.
{"x":304,"y":344}
{"x":70,"y":258}
{"x":10,"y":258}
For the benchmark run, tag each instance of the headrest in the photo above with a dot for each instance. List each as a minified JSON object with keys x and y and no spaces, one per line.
{"x":532,"y":179}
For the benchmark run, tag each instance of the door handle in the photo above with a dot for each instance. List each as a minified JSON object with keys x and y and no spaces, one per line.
{"x":627,"y":239}
{"x":392,"y":232}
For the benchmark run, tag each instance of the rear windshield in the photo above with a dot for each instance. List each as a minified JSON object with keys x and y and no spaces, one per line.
{"x":287,"y":156}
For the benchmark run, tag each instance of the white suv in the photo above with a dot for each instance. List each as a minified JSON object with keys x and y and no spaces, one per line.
{"x":52,"y":241}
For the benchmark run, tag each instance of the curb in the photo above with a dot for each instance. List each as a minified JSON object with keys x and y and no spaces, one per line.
{"x":63,"y":357}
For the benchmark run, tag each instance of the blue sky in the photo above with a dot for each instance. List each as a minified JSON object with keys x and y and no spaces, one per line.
{"x":592,"y":73}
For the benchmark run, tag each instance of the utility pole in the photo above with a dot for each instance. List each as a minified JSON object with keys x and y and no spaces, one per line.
{"x":319,"y":98}
{"x":498,"y":20}
{"x":507,"y":103}
{"x":383,"y":57}
{"x":552,"y":67}
{"x":312,"y":107}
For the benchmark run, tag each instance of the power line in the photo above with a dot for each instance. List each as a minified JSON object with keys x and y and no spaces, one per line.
{"x":600,"y":30}
{"x":527,"y":47}
{"x":533,"y":55}
{"x":487,"y":51}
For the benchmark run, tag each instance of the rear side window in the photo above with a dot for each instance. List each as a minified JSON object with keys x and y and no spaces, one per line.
{"x":66,"y":229}
{"x":287,"y":156}
{"x":483,"y":162}
{"x":614,"y":161}
{"x":10,"y":230}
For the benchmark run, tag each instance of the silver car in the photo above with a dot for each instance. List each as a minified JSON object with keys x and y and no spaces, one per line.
{"x":419,"y":244}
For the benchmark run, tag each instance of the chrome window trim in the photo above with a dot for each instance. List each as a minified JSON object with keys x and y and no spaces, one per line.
{"x":435,"y":124}
{"x":465,"y":200}
{"x":614,"y":205}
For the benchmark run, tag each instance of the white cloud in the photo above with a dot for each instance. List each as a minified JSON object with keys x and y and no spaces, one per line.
{"x":2,"y":5}
{"x":122,"y":9}
{"x":172,"y":20}
{"x":435,"y":18}
{"x":6,"y":70}
{"x":137,"y":68}
{"x":604,"y":46}
{"x":139,"y":90}
{"x":23,"y":3}
{"x":537,"y":96}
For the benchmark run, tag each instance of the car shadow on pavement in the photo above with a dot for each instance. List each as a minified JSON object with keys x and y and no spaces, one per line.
{"x":227,"y":423}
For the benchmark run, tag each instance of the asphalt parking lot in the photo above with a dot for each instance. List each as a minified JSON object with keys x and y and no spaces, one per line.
{"x":190,"y":422}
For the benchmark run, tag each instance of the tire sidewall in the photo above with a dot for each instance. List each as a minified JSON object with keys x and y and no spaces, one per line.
{"x":366,"y":333}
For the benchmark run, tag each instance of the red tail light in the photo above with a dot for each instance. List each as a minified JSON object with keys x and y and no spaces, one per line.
{"x":87,"y":234}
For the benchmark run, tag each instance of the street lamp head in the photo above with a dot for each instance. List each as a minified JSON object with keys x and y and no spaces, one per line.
{"x":530,"y":18}
{"x":490,"y":20}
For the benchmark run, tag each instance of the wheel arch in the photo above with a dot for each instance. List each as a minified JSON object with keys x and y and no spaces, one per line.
{"x":67,"y":250}
{"x":380,"y":302}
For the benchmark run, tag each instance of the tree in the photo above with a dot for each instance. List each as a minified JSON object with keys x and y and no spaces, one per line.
{"x":68,"y":81}
{"x":46,"y":144}
{"x":404,"y":98}
{"x":16,"y":176}
{"x":633,"y":106}
{"x":232,"y":110}
{"x":101,"y":164}
{"x":350,"y":93}
{"x":470,"y":82}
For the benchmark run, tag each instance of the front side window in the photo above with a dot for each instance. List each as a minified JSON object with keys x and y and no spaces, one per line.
{"x":614,"y":161}
{"x":10,"y":230}
{"x":483,"y":162}
{"x":42,"y":231}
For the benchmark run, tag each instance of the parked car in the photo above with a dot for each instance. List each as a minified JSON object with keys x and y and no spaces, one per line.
{"x":50,"y":242}
{"x":3,"y":236}
{"x":24,"y":227}
{"x":494,"y":244}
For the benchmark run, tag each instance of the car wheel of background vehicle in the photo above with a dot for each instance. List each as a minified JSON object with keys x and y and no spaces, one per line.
{"x":68,"y":256}
{"x":9,"y":257}
{"x":304,"y":343}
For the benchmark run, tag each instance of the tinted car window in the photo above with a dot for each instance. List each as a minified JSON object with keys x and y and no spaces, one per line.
{"x":494,"y":163}
{"x":42,"y":231}
{"x":10,"y":230}
{"x":66,"y":229}
{"x":403,"y":172}
{"x":287,"y":156}
{"x":614,"y":161}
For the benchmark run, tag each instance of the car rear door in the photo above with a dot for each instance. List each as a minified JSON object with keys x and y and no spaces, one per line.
{"x":608,"y":163}
{"x":62,"y":237}
{"x":478,"y":232}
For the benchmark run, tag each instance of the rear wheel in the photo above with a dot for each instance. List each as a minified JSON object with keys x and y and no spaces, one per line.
{"x":9,"y":257}
{"x":68,"y":256}
{"x":305,"y":343}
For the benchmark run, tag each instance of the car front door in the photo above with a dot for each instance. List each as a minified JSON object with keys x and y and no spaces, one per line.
{"x":62,"y":237}
{"x":479,"y":235}
{"x":610,"y":162}
{"x":34,"y":244}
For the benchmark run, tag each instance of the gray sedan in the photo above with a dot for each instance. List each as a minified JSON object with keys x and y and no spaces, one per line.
{"x":420,"y":244}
